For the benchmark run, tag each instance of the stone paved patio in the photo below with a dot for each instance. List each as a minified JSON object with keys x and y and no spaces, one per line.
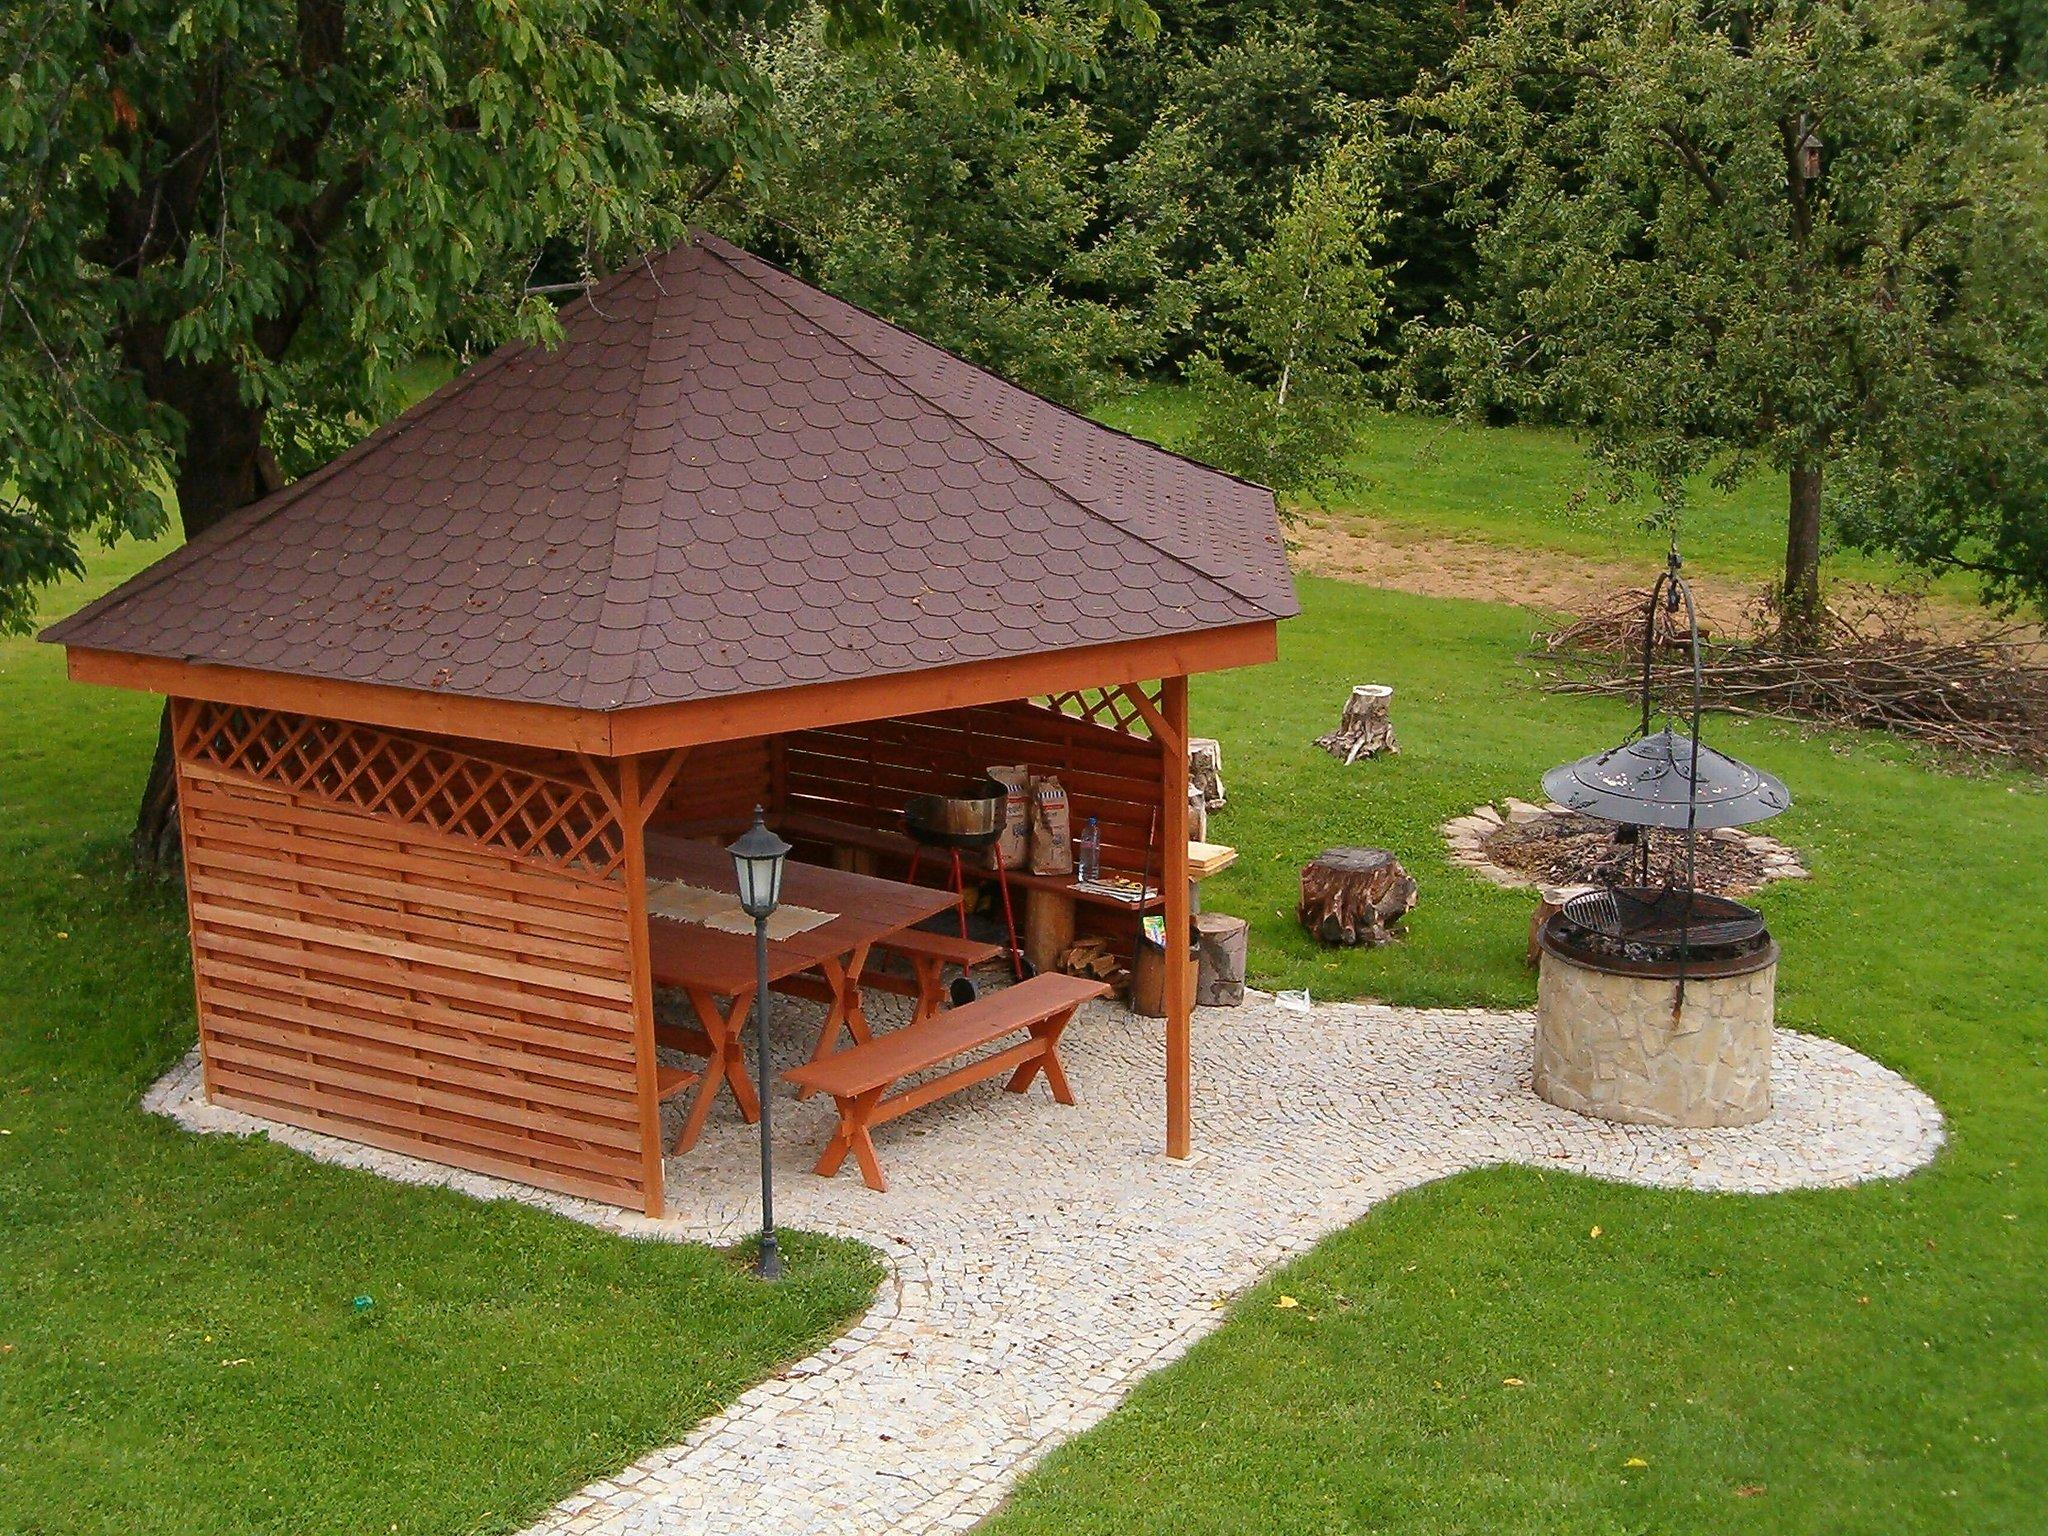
{"x":1043,"y":1259}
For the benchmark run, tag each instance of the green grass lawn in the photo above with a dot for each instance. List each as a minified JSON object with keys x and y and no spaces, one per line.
{"x":1531,"y":488}
{"x":1869,"y":1360}
{"x":180,"y":1348}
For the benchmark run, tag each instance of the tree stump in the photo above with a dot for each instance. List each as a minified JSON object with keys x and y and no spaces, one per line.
{"x":1354,"y":895}
{"x":1205,"y":769}
{"x":1220,"y":943}
{"x":1366,"y":728}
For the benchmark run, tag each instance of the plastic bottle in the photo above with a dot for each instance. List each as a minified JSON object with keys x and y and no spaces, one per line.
{"x":1088,"y":853}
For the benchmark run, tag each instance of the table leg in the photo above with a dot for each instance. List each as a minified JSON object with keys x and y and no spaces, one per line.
{"x":856,"y":1005}
{"x":726,"y":1063}
{"x":843,"y":977}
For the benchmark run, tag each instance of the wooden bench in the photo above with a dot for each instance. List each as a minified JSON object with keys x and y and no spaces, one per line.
{"x":929,"y":954}
{"x":860,"y":1077}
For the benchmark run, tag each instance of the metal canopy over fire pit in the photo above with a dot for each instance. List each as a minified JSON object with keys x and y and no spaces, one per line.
{"x":1652,"y":781}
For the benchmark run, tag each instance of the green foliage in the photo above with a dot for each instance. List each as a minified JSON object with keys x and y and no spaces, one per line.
{"x":1659,"y":270}
{"x":1231,"y":101}
{"x":227,"y":226}
{"x":1234,"y":129}
{"x":1299,"y":312}
{"x":963,"y":203}
{"x":2009,"y":40}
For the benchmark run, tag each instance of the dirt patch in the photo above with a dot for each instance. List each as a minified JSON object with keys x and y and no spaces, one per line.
{"x":1406,"y":559}
{"x":1536,"y":845}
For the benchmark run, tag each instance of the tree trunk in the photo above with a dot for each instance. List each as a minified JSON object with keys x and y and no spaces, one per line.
{"x":1366,"y":726}
{"x":1800,"y":611}
{"x":1354,"y":895}
{"x":224,"y":466}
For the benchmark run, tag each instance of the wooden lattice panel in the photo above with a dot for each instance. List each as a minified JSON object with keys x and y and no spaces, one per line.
{"x":393,"y":985}
{"x":1112,"y":708}
{"x":521,"y":811}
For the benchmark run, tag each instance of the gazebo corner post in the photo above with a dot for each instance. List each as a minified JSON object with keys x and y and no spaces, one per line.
{"x":632,"y":830}
{"x":1178,"y":994}
{"x":180,"y":710}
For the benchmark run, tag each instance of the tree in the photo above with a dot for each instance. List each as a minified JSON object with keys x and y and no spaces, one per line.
{"x":965,"y":203}
{"x":1729,"y":234}
{"x":226,"y":226}
{"x":2009,"y":39}
{"x":1300,"y":311}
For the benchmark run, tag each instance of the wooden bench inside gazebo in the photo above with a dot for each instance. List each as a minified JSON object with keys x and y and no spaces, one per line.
{"x":733,"y":542}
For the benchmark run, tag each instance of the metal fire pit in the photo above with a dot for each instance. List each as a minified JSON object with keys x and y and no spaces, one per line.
{"x":973,"y":818}
{"x":1665,"y":932}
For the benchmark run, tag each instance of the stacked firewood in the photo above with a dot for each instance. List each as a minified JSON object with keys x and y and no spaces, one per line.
{"x":1881,"y":665}
{"x":1093,"y":956}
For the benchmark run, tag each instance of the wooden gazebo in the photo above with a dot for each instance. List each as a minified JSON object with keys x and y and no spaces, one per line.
{"x":732,"y":541}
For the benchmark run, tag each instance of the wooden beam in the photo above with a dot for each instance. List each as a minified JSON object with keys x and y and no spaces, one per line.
{"x":1173,"y":890}
{"x":633,"y":825}
{"x":401,"y":709}
{"x":1161,"y":730}
{"x":663,"y":778}
{"x":181,"y":726}
{"x":955,"y":687}
{"x":660,"y":727}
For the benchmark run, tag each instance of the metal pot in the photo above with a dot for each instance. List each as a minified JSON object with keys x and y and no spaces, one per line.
{"x":973,"y":818}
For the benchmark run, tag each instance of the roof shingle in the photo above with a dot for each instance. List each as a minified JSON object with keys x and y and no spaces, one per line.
{"x":723,"y":480}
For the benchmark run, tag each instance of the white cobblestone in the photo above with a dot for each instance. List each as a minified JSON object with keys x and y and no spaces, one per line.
{"x":1042,"y":1259}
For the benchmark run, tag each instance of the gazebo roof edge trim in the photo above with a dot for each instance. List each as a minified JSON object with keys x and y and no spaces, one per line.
{"x":650,"y":727}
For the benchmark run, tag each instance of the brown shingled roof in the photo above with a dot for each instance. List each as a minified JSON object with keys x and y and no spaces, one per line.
{"x":723,"y":480}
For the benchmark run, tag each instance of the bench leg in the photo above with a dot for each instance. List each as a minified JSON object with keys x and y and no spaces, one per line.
{"x":929,"y":973}
{"x":852,"y":1136}
{"x":1046,"y":1061}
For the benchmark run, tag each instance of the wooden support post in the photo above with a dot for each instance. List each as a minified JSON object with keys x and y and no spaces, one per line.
{"x":1173,"y":876}
{"x":1048,"y":928}
{"x":181,"y":725}
{"x":633,"y":828}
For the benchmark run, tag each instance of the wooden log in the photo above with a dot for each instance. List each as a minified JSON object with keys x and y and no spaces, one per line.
{"x":1550,"y":900}
{"x":1148,"y":979}
{"x":1048,"y":927}
{"x":1366,"y":727}
{"x":1354,"y":895}
{"x":1220,"y":945}
{"x":1205,"y":767}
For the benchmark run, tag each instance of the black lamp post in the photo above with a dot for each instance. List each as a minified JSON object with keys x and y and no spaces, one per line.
{"x":757,"y":864}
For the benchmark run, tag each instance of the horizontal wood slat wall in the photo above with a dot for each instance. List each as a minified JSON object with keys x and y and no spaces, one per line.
{"x":718,"y":781}
{"x":409,"y":988}
{"x":864,"y":773}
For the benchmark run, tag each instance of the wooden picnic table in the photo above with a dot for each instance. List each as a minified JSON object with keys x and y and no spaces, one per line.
{"x":707,"y":964}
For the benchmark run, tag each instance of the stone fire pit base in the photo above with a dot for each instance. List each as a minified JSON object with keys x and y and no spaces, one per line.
{"x":1607,"y":1046}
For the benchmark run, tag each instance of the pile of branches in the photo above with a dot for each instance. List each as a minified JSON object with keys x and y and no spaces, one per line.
{"x":1878,"y":663}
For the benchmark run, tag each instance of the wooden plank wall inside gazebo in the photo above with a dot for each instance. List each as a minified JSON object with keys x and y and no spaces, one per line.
{"x":437,"y":946}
